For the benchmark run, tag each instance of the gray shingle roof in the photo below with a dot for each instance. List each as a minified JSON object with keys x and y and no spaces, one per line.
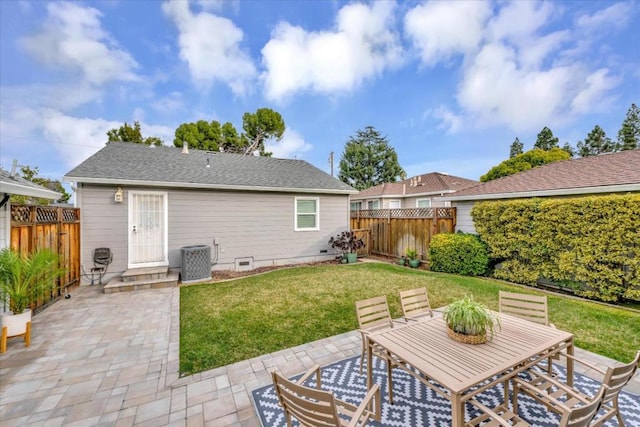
{"x":606,"y":172}
{"x":18,"y":185}
{"x":428,"y":183}
{"x":126,"y":163}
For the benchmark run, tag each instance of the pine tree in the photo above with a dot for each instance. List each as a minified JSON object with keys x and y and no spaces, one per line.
{"x":546,"y":141}
{"x":629,"y":133}
{"x":596,"y":143}
{"x":516,"y":148}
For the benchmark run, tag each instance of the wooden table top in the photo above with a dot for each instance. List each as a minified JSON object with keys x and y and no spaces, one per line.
{"x":426,"y":346}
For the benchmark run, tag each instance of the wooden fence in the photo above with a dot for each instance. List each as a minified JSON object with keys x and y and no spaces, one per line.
{"x":390,"y":232}
{"x":49,"y":227}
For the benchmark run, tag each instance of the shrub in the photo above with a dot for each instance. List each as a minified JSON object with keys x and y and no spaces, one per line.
{"x":458,"y":253}
{"x":591,"y":243}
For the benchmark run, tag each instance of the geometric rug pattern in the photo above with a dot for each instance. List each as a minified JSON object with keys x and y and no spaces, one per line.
{"x":417,"y":405}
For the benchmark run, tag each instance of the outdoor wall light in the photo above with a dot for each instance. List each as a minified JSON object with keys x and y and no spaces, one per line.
{"x":119,"y":196}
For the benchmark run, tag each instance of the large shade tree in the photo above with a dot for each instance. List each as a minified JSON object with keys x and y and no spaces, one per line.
{"x":31,"y":174}
{"x":262,"y":126}
{"x":128,"y":133}
{"x":369,"y":160}
{"x":546,"y":140}
{"x":527,"y":160}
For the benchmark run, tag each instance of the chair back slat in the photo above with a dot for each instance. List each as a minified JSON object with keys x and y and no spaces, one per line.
{"x":582,"y":416}
{"x":415,"y":303}
{"x":529,"y":307}
{"x":312,"y":407}
{"x":619,"y":376}
{"x":373,"y":313}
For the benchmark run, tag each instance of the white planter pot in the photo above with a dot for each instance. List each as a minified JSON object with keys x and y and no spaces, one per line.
{"x":16,"y":323}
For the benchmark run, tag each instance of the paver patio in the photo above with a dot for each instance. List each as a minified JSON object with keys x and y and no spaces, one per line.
{"x":112,"y":360}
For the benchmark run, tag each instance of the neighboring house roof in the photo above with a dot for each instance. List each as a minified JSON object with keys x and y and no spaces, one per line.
{"x":17,"y":185}
{"x":137,"y":164}
{"x":433,"y":183}
{"x":606,"y":173}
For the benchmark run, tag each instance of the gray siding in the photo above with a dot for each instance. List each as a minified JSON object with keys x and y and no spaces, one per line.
{"x":464,"y":222}
{"x":5,"y":225}
{"x":254,"y":225}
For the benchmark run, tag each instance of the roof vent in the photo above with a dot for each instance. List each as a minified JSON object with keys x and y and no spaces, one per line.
{"x":185,"y":147}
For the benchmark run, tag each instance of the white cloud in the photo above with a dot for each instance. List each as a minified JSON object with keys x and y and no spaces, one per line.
{"x":519,"y":20}
{"x":292,"y":145}
{"x":362,"y":45}
{"x":613,"y":17}
{"x":72,"y":38}
{"x":210,"y":45}
{"x":440,"y":29}
{"x":449,"y":121}
{"x":63,"y":96}
{"x":594,"y":95}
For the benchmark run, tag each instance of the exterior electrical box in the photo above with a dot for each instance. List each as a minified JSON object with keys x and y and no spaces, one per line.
{"x":196,"y":263}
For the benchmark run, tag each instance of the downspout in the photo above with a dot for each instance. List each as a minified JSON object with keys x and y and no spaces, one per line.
{"x":4,"y":200}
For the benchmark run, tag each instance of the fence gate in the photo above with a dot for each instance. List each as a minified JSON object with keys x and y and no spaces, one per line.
{"x":392,"y":231}
{"x":53,"y":228}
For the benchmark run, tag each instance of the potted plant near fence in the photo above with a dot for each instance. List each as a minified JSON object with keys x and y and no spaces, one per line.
{"x":414,"y":259}
{"x":23,"y":278}
{"x":469,"y":321}
{"x":348,"y":243}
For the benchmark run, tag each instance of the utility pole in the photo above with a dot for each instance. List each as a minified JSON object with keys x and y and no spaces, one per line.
{"x":331,"y":162}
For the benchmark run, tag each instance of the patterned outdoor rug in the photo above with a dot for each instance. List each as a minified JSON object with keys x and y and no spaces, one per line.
{"x":417,"y":405}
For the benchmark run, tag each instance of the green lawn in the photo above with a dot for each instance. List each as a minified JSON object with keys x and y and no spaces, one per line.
{"x":222,"y":323}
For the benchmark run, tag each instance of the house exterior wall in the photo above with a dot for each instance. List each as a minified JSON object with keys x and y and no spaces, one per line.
{"x":464,"y":222}
{"x":412,"y":202}
{"x":5,"y":225}
{"x":254,"y":225}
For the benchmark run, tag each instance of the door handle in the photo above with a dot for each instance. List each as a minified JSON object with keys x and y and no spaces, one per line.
{"x":134,"y":229}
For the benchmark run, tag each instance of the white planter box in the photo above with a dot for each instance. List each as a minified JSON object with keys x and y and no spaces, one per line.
{"x":16,"y":323}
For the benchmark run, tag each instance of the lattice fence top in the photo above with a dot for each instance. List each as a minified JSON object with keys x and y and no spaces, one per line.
{"x":405,"y":213}
{"x":43,"y":214}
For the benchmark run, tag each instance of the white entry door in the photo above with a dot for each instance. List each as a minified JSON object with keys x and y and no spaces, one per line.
{"x":147,"y":229}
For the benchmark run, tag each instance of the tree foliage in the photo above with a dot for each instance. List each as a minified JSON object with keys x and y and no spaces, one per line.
{"x":517,"y":147}
{"x":527,"y":160}
{"x":629,"y":133}
{"x":128,"y":133}
{"x":596,"y":142}
{"x":31,"y":174}
{"x":545,"y":140}
{"x":368,"y":160}
{"x":259,"y":127}
{"x":569,"y":149}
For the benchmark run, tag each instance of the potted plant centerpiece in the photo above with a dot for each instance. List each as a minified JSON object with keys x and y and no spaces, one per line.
{"x":348,"y":243}
{"x":414,"y":259}
{"x":469,"y":321}
{"x":22,"y":280}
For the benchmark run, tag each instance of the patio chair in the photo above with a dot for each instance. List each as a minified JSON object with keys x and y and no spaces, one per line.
{"x":415,"y":304}
{"x":557,"y":395}
{"x":312,"y":406}
{"x":577,"y":416}
{"x":373,"y":316}
{"x":529,"y":307}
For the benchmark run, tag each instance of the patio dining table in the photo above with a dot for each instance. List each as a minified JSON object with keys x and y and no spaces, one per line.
{"x":458,"y":371}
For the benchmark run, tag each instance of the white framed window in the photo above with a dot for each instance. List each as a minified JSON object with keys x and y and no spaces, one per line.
{"x":307,"y":214}
{"x":395,"y":204}
{"x":373,"y":204}
{"x":356,"y":206}
{"x":423,"y":203}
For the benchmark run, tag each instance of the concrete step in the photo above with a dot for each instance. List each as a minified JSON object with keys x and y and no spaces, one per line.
{"x":147,"y":273}
{"x":117,"y":285}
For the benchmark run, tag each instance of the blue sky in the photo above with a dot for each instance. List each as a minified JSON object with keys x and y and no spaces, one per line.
{"x":451,"y":84}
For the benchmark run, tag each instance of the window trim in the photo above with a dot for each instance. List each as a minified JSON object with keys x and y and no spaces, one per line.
{"x":373,"y":201}
{"x":295,"y":214}
{"x":420,"y":200}
{"x":395,"y":200}
{"x":359,"y":207}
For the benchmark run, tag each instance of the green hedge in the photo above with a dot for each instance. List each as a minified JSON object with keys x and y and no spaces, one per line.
{"x":589,"y":243}
{"x":458,"y":253}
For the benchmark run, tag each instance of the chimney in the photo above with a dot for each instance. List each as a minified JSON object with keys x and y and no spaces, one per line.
{"x":13,"y":168}
{"x":185,"y":147}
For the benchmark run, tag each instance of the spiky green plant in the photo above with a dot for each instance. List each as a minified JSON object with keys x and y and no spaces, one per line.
{"x":468,"y":317}
{"x":24,"y":277}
